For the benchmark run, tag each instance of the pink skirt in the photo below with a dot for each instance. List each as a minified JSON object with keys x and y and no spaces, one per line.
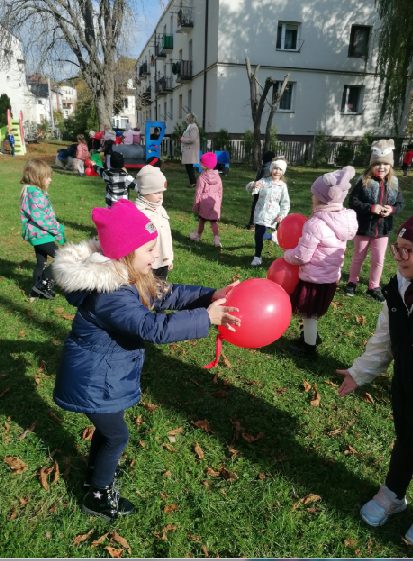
{"x":312,"y":300}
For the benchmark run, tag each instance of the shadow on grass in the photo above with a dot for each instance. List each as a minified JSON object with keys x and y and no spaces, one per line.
{"x":188,"y":390}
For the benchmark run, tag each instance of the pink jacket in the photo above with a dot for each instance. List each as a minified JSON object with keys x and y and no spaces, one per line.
{"x":320,"y":250}
{"x":208,"y":195}
{"x":82,"y":151}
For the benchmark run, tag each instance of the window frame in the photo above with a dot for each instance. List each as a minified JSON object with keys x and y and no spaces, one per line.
{"x":284,"y":25}
{"x":292,"y":85}
{"x":354,"y":27}
{"x":344,"y":99}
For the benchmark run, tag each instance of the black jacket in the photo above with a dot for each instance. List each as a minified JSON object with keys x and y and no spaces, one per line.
{"x":363,"y":197}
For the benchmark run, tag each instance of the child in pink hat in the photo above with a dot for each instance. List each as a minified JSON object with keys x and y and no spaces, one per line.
{"x":208,"y":198}
{"x":121,"y":306}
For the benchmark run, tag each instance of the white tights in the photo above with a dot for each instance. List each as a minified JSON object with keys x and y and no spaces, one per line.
{"x":310,"y":330}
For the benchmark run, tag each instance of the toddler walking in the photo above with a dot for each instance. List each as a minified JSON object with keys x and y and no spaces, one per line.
{"x":376,"y":198}
{"x":272,"y":206}
{"x":121,"y":306}
{"x":208,"y":198}
{"x":320,"y":253}
{"x":150,"y":186}
{"x":393,"y":339}
{"x":39,"y":225}
{"x":264,"y":171}
{"x":117,"y":179}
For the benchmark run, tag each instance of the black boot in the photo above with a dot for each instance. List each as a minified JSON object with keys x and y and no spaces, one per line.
{"x":40,"y":290}
{"x":50,"y":283}
{"x":106,"y":503}
{"x":89,"y":474}
{"x":300,"y":347}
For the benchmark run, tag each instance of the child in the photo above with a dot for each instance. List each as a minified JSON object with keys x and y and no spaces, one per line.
{"x":375,"y":198}
{"x":150,"y":185}
{"x":408,"y":159}
{"x":320,"y":252}
{"x":118,"y":181}
{"x":120,"y":307}
{"x":12,"y":143}
{"x":208,"y":198}
{"x":82,"y":154}
{"x":263,"y":172}
{"x":392,"y":340}
{"x":39,"y":225}
{"x":272,"y":206}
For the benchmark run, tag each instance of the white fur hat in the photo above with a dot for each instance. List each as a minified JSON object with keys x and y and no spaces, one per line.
{"x":278,"y":163}
{"x":382,"y":152}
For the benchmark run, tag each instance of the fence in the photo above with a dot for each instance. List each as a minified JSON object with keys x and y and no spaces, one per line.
{"x":296,"y":152}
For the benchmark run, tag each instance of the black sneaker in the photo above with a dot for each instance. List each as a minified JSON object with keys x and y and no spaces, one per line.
{"x":300,"y":347}
{"x":350,"y":289}
{"x":41,"y":291}
{"x":376,"y":293}
{"x":50,"y":283}
{"x":106,"y":503}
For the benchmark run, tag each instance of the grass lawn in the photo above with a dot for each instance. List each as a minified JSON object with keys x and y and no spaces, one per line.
{"x":266,"y":473}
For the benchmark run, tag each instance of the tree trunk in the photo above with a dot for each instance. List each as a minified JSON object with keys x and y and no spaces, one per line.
{"x":275,"y":101}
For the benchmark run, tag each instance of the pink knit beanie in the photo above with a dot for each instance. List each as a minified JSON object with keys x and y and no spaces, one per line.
{"x":209,"y":160}
{"x":122,"y":228}
{"x":333,"y":187}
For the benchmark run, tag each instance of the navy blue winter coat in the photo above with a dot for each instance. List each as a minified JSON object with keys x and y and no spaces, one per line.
{"x":104,"y":353}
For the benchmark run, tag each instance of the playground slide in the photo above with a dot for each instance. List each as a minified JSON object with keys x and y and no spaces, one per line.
{"x":16,"y":128}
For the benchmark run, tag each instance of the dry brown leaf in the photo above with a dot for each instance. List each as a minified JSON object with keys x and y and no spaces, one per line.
{"x":307,"y":386}
{"x":82,"y":537}
{"x":308,"y":499}
{"x":114,"y":553}
{"x":6,"y":427}
{"x":151,"y":407}
{"x":165,"y":530}
{"x":315,"y":402}
{"x":168,"y":447}
{"x":198,"y":451}
{"x":170,"y":508}
{"x":69,"y":317}
{"x":13,"y":514}
{"x":262,"y":476}
{"x":23,"y":500}
{"x":203,"y":425}
{"x":251,"y":438}
{"x":233,"y":452}
{"x":44,"y":473}
{"x":194,"y":538}
{"x":361,"y":320}
{"x":100,"y":540}
{"x":59,"y":311}
{"x":142,"y":443}
{"x":350,"y":451}
{"x":87,"y":433}
{"x":26,"y":432}
{"x":56,"y":474}
{"x":138,"y":420}
{"x":120,"y":540}
{"x":368,"y":398}
{"x":176,"y":431}
{"x":226,"y":362}
{"x":167,"y":473}
{"x":16,"y":465}
{"x":205,"y":550}
{"x":330,"y":383}
{"x":351,"y":543}
{"x":228,"y":475}
{"x":3,"y":392}
{"x":281,"y":391}
{"x":22,"y":334}
{"x":212,"y":472}
{"x":335,"y":432}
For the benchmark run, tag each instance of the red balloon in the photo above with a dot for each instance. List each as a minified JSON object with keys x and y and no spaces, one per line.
{"x":283,"y":273}
{"x":265,"y":312}
{"x":89,"y":171}
{"x":88,"y":163}
{"x":290,"y":230}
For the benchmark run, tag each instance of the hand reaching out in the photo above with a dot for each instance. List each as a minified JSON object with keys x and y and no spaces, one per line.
{"x":219,"y":314}
{"x":348,"y":385}
{"x":223,"y":292}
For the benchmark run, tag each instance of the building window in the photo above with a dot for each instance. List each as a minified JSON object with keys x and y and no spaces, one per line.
{"x":352,"y":98}
{"x":180,"y":106}
{"x":125,"y":103}
{"x":287,"y":36}
{"x":286,"y":101}
{"x":359,"y":41}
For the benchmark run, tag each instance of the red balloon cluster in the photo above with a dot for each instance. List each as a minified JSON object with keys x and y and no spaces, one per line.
{"x":90,"y":172}
{"x":290,"y":230}
{"x":283,"y":273}
{"x":265,"y":312}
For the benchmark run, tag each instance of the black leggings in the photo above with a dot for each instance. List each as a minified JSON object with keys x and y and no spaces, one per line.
{"x":42,"y":252}
{"x":401,"y":468}
{"x":161,"y":272}
{"x":191,"y":173}
{"x":108,"y":442}
{"x":259,"y":239}
{"x":254,"y":202}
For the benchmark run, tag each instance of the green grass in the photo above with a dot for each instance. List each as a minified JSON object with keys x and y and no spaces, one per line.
{"x":338,"y":451}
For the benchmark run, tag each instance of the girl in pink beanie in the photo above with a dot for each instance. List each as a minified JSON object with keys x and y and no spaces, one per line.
{"x":121,"y":306}
{"x":208,"y":198}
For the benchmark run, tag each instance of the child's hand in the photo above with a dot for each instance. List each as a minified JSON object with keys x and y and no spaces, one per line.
{"x":257,"y":184}
{"x":170,"y":267}
{"x":349,"y":385}
{"x":223,"y":292}
{"x":386,"y":210}
{"x":377,"y":209}
{"x":277,"y":219}
{"x":219,"y":314}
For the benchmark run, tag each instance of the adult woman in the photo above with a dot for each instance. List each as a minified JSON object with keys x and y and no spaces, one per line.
{"x":190,"y":147}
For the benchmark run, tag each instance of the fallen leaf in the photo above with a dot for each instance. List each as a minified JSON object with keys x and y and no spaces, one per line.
{"x":176,"y":431}
{"x":228,"y":475}
{"x":368,"y":398}
{"x":59,"y":311}
{"x":227,"y":363}
{"x":151,"y":407}
{"x":100,"y":540}
{"x":335,"y":432}
{"x":251,"y":438}
{"x":281,"y":391}
{"x":13,"y":514}
{"x":167,"y":473}
{"x":168,"y":447}
{"x":22,"y":334}
{"x":82,"y":537}
{"x":307,"y":386}
{"x":56,"y":474}
{"x":202,"y":424}
{"x":23,"y":500}
{"x":315,"y":402}
{"x":26,"y":432}
{"x":212,"y":472}
{"x":170,"y":508}
{"x":308,"y":499}
{"x":330,"y":383}
{"x":233,"y":452}
{"x":198,"y":451}
{"x":205,"y":550}
{"x":44,"y":473}
{"x":114,"y":553}
{"x":139,"y":420}
{"x":361,"y":320}
{"x":350,"y":451}
{"x":87,"y":433}
{"x":16,"y":465}
{"x":120,"y":540}
{"x":69,"y":317}
{"x":165,"y":530}
{"x":350,"y":543}
{"x":194,"y":538}
{"x":262,"y":476}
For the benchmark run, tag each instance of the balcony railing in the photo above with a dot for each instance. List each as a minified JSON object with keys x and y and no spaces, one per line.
{"x":146,"y":96}
{"x":163,"y":85}
{"x":144,"y":70}
{"x":185,"y":20}
{"x":164,"y":45}
{"x":184,"y":73}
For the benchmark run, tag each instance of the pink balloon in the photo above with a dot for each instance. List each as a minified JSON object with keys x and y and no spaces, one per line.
{"x":88,"y":163}
{"x":89,"y":171}
{"x":265,"y":312}
{"x":290,"y":230}
{"x":284,"y":274}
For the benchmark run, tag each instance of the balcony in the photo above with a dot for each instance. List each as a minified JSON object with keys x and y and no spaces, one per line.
{"x":185,"y":20}
{"x":144,"y":70}
{"x":163,"y":85}
{"x":164,"y":46}
{"x":184,"y":71}
{"x":146,"y":96}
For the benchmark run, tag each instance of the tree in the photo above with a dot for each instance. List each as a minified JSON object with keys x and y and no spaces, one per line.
{"x":258,"y":101}
{"x":4,"y":106}
{"x":395,"y":56}
{"x":85,"y":32}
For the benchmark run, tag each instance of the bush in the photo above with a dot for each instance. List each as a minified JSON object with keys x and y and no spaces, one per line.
{"x":248,"y":146}
{"x":222,"y":141}
{"x":362,"y":154}
{"x":345,"y":154}
{"x":321,"y":150}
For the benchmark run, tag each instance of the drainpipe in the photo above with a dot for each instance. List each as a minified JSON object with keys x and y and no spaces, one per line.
{"x":205,"y":64}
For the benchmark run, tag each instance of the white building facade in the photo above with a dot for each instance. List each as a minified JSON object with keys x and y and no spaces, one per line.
{"x":195,"y":61}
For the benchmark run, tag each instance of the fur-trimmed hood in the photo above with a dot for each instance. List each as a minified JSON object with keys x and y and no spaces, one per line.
{"x":83,"y":268}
